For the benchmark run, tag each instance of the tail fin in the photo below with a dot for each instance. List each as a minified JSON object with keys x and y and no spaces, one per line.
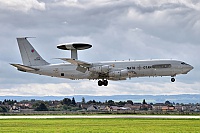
{"x":30,"y":56}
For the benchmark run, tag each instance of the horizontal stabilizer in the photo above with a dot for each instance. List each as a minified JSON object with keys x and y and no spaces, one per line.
{"x":24,"y":68}
{"x":76,"y":62}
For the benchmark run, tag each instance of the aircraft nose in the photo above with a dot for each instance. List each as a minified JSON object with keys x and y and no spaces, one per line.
{"x":187,"y":69}
{"x":191,"y":67}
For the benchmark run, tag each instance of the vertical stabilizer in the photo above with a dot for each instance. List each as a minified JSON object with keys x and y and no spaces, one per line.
{"x":30,"y":56}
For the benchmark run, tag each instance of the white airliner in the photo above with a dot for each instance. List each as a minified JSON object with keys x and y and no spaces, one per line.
{"x":101,"y":71}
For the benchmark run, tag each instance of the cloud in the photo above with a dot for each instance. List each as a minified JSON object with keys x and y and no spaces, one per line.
{"x":90,"y":88}
{"x":118,"y":30}
{"x":22,"y":5}
{"x":180,"y":22}
{"x":193,"y":4}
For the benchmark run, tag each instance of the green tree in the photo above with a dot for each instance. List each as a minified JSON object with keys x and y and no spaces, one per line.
{"x":91,"y":102}
{"x":73,"y":101}
{"x":3,"y":109}
{"x":144,"y":102}
{"x":130,"y":102}
{"x":167,"y":102}
{"x":111,"y":102}
{"x":83,"y":100}
{"x":41,"y":107}
{"x":121,"y":103}
{"x":67,"y":101}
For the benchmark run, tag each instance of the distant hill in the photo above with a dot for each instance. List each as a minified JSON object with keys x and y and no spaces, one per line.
{"x":183,"y":98}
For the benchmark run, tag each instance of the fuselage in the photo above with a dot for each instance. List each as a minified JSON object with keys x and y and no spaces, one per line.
{"x":104,"y":71}
{"x":135,"y":69}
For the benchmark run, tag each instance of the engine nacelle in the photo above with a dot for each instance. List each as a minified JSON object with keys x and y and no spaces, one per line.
{"x":100,"y":69}
{"x":119,"y":74}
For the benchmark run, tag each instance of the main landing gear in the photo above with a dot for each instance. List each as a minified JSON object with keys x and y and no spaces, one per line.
{"x":103,"y":82}
{"x":172,"y":79}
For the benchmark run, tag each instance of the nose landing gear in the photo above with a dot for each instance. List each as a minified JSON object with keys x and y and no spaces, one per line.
{"x":103,"y":82}
{"x":172,"y":79}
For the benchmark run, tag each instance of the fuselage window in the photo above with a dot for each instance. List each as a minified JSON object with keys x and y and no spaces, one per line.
{"x":62,"y":74}
{"x":162,"y":66}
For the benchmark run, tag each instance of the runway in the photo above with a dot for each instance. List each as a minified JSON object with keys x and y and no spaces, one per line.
{"x":101,"y":117}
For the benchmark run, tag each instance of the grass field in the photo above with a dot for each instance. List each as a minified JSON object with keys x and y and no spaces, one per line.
{"x":100,"y":125}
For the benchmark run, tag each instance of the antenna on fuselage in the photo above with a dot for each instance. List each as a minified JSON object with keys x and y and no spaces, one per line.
{"x":74,"y":47}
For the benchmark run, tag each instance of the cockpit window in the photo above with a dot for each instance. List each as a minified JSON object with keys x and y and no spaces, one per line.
{"x":183,"y":63}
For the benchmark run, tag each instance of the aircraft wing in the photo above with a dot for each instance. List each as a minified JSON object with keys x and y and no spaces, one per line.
{"x":24,"y":68}
{"x":81,"y":65}
{"x":76,"y":62}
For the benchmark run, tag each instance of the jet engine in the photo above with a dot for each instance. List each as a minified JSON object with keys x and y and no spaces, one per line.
{"x":100,"y":69}
{"x":119,"y":74}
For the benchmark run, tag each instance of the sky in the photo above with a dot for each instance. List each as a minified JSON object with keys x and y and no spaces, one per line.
{"x":117,"y":29}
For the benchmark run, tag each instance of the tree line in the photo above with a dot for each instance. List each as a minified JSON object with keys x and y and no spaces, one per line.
{"x":65,"y":104}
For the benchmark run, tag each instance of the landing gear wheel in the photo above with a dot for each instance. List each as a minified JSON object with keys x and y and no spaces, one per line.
{"x":105,"y":82}
{"x":172,"y":79}
{"x":100,"y":83}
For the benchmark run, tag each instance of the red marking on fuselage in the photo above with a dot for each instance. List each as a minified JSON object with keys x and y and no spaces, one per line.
{"x":32,"y":50}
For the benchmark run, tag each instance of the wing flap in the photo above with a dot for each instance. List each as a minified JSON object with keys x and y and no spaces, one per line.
{"x":24,"y":68}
